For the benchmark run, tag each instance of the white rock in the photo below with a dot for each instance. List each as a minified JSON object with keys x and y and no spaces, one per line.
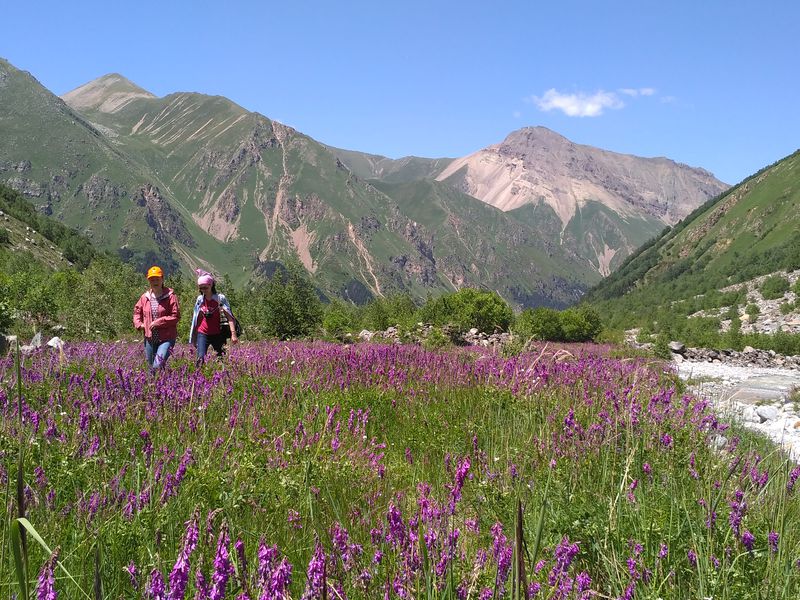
{"x":36,"y":342}
{"x":749,"y":415}
{"x":767,"y":413}
{"x":56,"y":343}
{"x":718,"y":442}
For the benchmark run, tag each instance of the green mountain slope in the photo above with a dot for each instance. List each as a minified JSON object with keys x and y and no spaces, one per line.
{"x":42,"y":239}
{"x":70,"y":169}
{"x":192,"y":180}
{"x":753,"y":229}
{"x":268,"y":193}
{"x":400,"y":170}
{"x":471,"y":241}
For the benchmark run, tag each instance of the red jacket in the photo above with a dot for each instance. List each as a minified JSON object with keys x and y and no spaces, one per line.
{"x":168,"y":314}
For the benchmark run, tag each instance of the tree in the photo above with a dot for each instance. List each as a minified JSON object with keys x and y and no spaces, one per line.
{"x":539,"y":323}
{"x":774,"y":287}
{"x":339,"y":319}
{"x":291,"y":305}
{"x":468,"y":308}
{"x":580,"y":324}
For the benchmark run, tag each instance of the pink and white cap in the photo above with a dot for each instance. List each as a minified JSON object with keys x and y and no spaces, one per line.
{"x":204,"y":277}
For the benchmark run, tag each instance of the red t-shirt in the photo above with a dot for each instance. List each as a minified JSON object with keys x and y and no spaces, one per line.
{"x":209,"y":324}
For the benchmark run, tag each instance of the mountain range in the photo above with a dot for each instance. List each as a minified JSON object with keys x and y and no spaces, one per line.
{"x":191,"y":180}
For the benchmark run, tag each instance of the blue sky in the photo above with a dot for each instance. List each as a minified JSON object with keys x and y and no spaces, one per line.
{"x":712,"y":83}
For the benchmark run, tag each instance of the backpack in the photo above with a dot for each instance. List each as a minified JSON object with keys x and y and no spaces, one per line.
{"x":225,"y":329}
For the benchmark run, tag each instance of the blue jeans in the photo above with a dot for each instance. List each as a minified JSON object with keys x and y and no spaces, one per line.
{"x":157,"y":356}
{"x":204,"y":341}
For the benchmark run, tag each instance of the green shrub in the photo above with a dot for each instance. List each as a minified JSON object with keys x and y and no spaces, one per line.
{"x":291,"y":308}
{"x":752,"y":310}
{"x":468,"y":308}
{"x":580,"y":324}
{"x":436,"y":339}
{"x":539,"y":323}
{"x":787,"y":307}
{"x":514,"y":346}
{"x":4,"y":237}
{"x":661,"y":346}
{"x":774,"y":287}
{"x":734,"y":335}
{"x":5,"y":306}
{"x":339,"y":319}
{"x":732,"y":312}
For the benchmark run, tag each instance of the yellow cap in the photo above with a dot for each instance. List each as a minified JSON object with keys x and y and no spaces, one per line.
{"x":155,"y":272}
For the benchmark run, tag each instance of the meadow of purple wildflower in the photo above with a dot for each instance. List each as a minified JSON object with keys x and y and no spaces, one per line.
{"x":313,"y":470}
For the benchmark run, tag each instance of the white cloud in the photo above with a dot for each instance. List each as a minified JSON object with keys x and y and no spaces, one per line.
{"x":634,"y":92}
{"x":516,"y":114}
{"x":578,"y":105}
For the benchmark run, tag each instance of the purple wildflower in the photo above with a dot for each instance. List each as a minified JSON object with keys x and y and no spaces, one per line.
{"x":294,"y":519}
{"x":692,"y":556}
{"x":222,"y":565}
{"x":397,"y":529}
{"x":315,"y":574}
{"x":773,"y":541}
{"x":583,"y":581}
{"x":793,"y":478}
{"x":200,"y":585}
{"x":748,"y":540}
{"x":502,"y":555}
{"x":155,"y":587}
{"x":132,"y":573}
{"x":266,"y":559}
{"x":238,"y":546}
{"x":46,"y":589}
{"x":280,"y":580}
{"x":179,"y":577}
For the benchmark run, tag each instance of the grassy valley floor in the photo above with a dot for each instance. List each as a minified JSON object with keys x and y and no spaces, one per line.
{"x":312,"y":470}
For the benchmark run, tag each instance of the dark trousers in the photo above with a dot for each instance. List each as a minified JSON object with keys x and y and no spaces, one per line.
{"x":204,"y":341}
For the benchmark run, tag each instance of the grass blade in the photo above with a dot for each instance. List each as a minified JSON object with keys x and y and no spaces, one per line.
{"x":520,"y":584}
{"x":24,"y":523}
{"x":20,"y":562}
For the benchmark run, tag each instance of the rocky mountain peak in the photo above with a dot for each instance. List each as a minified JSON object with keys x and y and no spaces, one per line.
{"x":530,"y":137}
{"x":535,"y":164}
{"x":107,"y":94}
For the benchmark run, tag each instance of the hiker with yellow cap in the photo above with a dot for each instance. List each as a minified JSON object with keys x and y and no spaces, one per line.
{"x":156,"y":314}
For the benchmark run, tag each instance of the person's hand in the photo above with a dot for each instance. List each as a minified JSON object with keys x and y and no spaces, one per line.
{"x":156,"y":323}
{"x":234,"y":339}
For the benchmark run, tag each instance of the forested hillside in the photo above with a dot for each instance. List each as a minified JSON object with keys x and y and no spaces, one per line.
{"x":750,"y":231}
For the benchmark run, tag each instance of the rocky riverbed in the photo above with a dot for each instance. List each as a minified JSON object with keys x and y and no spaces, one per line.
{"x":762,"y":398}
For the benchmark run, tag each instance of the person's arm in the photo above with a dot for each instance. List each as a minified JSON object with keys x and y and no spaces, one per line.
{"x":231,"y":319}
{"x":232,"y":325}
{"x":138,"y":320}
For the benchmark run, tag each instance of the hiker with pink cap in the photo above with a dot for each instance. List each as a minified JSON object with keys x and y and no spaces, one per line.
{"x":212,"y":321}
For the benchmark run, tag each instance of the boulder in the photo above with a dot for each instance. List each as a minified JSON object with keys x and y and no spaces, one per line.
{"x":56,"y":343}
{"x":767,"y":413}
{"x":677,"y":347}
